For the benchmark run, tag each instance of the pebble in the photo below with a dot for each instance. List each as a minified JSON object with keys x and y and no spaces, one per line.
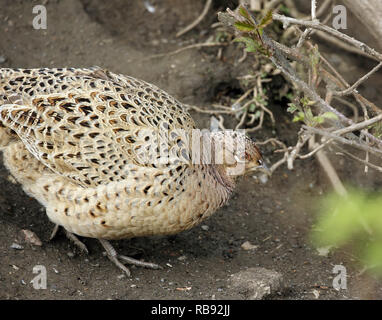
{"x":205,"y":227}
{"x":316,"y":293}
{"x":31,"y":237}
{"x":248,"y":246}
{"x":16,"y":246}
{"x":263,"y":178}
{"x":324,"y":251}
{"x":150,"y":8}
{"x":256,"y":283}
{"x":3,"y":59}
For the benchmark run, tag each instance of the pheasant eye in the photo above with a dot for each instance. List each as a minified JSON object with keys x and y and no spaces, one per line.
{"x":260,"y":162}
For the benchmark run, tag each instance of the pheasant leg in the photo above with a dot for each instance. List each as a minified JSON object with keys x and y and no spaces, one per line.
{"x":115,"y":258}
{"x":72,"y":237}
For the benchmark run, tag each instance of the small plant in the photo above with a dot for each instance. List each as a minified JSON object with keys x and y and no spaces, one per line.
{"x":303,"y":112}
{"x":251,"y":33}
{"x":355,"y":219}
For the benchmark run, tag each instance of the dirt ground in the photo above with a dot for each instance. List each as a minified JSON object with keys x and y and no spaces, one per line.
{"x":276,"y":216}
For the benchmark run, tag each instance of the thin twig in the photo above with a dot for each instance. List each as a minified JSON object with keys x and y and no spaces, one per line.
{"x":313,"y":9}
{"x":314,"y":151}
{"x":343,"y":140}
{"x":358,"y":126}
{"x":191,"y":46}
{"x":317,"y":25}
{"x":367,"y":163}
{"x":343,"y":45}
{"x":350,"y":105}
{"x":197,"y":21}
{"x":358,"y":82}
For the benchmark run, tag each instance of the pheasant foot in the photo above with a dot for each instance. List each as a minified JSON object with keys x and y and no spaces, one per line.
{"x":115,"y":258}
{"x":72,"y":237}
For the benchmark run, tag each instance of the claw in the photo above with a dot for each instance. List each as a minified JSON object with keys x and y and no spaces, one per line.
{"x":114,"y":257}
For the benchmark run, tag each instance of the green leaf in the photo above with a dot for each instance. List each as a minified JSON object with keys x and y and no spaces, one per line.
{"x":244,"y":12}
{"x":300,"y":117}
{"x":314,"y":56}
{"x":329,"y":115}
{"x":252,"y":46}
{"x":309,"y":114}
{"x":284,"y":9}
{"x":318,"y":119}
{"x":252,"y":107}
{"x":306,"y":102}
{"x":243,"y":26}
{"x":257,"y":114}
{"x":247,"y":40}
{"x":266,"y":20}
{"x":292,"y":107}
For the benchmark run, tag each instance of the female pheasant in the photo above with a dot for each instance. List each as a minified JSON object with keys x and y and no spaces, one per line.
{"x":113,"y":157}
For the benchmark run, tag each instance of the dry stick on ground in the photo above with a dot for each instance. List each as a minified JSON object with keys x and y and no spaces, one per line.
{"x":328,"y":168}
{"x":191,"y":46}
{"x":197,"y":21}
{"x":324,"y":160}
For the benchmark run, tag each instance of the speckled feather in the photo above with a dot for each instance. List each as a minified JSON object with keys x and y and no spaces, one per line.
{"x":73,"y":139}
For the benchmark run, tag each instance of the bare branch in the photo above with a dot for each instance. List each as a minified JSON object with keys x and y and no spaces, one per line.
{"x":317,"y":25}
{"x":351,"y":89}
{"x":359,"y":126}
{"x":343,"y":140}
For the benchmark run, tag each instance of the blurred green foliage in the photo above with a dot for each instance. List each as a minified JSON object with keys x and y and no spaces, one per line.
{"x":354,"y":220}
